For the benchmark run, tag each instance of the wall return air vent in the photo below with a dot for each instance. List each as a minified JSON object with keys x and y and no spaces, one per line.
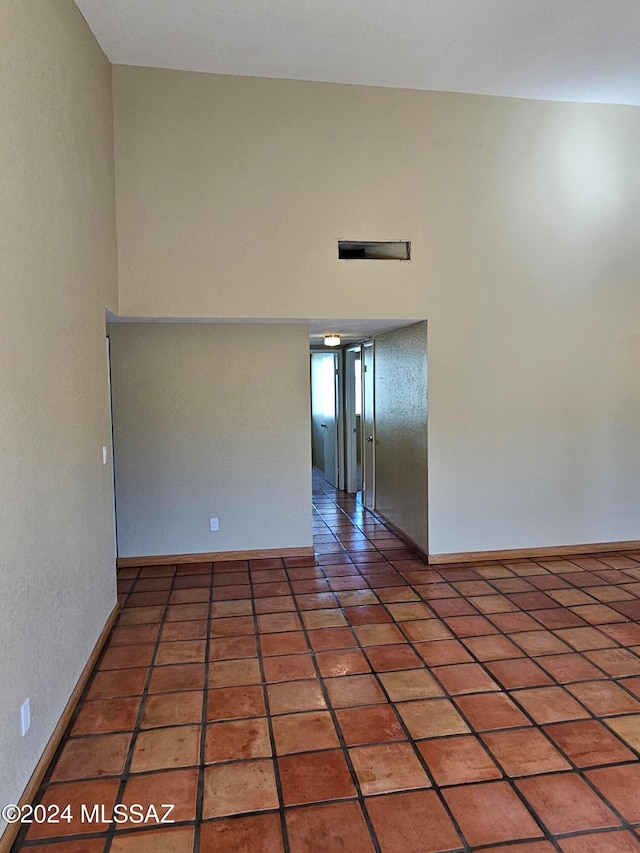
{"x":394,"y":250}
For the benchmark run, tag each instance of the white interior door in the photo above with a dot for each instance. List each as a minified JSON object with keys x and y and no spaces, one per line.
{"x":324,"y":415}
{"x":368,"y":428}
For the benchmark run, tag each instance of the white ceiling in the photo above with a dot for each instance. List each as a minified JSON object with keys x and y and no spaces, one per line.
{"x":350,"y":330}
{"x":567,"y":50}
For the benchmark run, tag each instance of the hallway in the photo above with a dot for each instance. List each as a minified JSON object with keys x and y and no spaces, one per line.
{"x":362,"y":701}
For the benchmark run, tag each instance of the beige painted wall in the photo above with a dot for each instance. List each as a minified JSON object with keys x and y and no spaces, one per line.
{"x":401,"y":430}
{"x":59,"y":272}
{"x":211,"y":420}
{"x":232,"y":193}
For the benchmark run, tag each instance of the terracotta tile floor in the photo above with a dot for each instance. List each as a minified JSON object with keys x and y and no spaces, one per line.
{"x":362,"y":701}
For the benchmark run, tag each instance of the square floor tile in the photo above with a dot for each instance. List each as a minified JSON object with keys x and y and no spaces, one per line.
{"x":187,"y":612}
{"x":324,"y":828}
{"x":367,"y":614}
{"x":234,"y":673}
{"x":350,"y":690}
{"x":471,"y":626}
{"x":615,"y":662}
{"x":431,"y":718}
{"x":129,"y":635}
{"x":525,"y":752}
{"x":97,"y":792}
{"x":413,"y":822}
{"x":409,"y":684}
{"x":231,"y":626}
{"x":520,"y":672}
{"x":332,"y":638}
{"x":195,"y":630}
{"x":394,"y":594}
{"x":233,"y":647}
{"x":185,"y":651}
{"x":342,"y":662}
{"x":598,"y":614}
{"x":289,"y":696}
{"x":464,"y":678}
{"x":248,"y":786}
{"x":588,"y":743}
{"x":106,"y":715}
{"x":443,"y":652}
{"x":118,"y":682}
{"x":565,"y":803}
{"x":310,"y":777}
{"x":169,"y":678}
{"x":604,"y":698}
{"x":513,"y":622}
{"x":456,"y":606}
{"x":160,"y":749}
{"x":141,"y":615}
{"x":382,"y":768}
{"x":330,"y":618}
{"x":306,"y":732}
{"x":602,"y":842}
{"x":489,"y":813}
{"x":288,"y":668}
{"x":164,"y":840}
{"x":86,"y":757}
{"x":177,"y":787}
{"x":486,"y":711}
{"x":378,"y":635}
{"x":289,"y":643}
{"x":628,"y":728}
{"x":569,"y":667}
{"x":370,"y":724}
{"x":228,"y":703}
{"x":492,"y":648}
{"x":536,"y":643}
{"x":126,"y":657}
{"x":425,"y":630}
{"x":550,"y":704}
{"x":274,"y":623}
{"x":558,"y":618}
{"x":406,"y":611}
{"x":236,"y":740}
{"x":240,"y":607}
{"x":189,"y":596}
{"x":260,"y":833}
{"x":350,"y":593}
{"x":172,"y":709}
{"x":458,"y":760}
{"x":620,"y":786}
{"x":585,"y":639}
{"x":492,"y":604}
{"x":275,"y":604}
{"x":628,"y":634}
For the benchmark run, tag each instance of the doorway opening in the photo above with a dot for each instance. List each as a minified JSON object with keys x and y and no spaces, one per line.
{"x":325,"y":415}
{"x":343,"y":419}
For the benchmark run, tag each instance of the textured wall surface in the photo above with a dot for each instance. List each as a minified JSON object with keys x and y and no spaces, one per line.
{"x":59,"y":272}
{"x":401,"y":430}
{"x":211,"y":420}
{"x":523,"y":215}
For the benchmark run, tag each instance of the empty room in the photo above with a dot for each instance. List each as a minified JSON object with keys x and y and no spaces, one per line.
{"x":320,"y":488}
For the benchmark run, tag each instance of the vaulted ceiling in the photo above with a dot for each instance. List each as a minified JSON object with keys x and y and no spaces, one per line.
{"x":565,"y":50}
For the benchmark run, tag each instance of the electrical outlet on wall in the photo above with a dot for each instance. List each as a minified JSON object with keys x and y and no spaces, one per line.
{"x":213,"y":525}
{"x":25,"y":716}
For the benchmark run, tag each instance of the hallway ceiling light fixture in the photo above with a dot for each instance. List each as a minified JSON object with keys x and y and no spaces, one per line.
{"x":332,"y":340}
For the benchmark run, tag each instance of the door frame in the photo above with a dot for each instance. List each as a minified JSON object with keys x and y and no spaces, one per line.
{"x":368,"y":416}
{"x":339,"y":415}
{"x":352,"y":436}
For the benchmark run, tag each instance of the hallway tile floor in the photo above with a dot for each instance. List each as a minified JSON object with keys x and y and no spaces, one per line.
{"x":361,"y":701}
